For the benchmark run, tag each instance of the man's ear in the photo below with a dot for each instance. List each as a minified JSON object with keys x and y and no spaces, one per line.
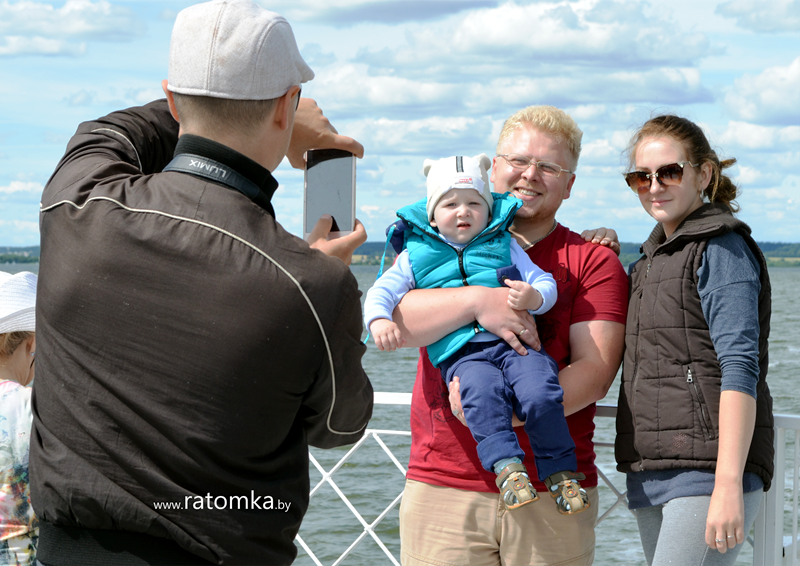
{"x":170,"y":100}
{"x":283,"y":108}
{"x":568,"y":189}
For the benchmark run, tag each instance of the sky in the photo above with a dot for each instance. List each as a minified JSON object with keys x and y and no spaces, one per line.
{"x":417,"y":79}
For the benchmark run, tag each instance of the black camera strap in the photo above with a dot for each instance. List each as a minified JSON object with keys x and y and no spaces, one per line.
{"x":214,"y":171}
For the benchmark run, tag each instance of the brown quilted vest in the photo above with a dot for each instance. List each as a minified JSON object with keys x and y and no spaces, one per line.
{"x":668,"y":414}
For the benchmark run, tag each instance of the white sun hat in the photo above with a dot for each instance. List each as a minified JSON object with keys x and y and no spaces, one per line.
{"x":234,"y":49}
{"x":17,"y":302}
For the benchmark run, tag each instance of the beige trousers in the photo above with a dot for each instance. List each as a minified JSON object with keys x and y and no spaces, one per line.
{"x":443,"y":526}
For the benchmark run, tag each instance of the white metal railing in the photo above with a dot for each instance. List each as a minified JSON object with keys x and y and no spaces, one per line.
{"x":772,"y":545}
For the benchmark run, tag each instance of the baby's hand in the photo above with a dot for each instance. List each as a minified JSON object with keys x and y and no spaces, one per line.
{"x":521,"y":296}
{"x":386,"y":334}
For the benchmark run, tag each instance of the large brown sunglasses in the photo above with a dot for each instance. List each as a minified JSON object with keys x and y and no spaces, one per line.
{"x":671,"y":174}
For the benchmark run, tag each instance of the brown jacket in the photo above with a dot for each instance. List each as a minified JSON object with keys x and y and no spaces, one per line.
{"x":668,"y":414}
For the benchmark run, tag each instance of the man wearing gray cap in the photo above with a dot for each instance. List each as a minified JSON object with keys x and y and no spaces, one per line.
{"x":189,"y":348}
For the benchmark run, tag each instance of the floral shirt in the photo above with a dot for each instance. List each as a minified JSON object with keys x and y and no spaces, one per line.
{"x":18,"y":525}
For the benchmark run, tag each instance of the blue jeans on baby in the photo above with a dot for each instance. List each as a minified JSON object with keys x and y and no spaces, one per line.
{"x":497,"y":382}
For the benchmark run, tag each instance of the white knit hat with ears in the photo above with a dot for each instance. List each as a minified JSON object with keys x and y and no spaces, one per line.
{"x":457,"y":172}
{"x":17,"y":302}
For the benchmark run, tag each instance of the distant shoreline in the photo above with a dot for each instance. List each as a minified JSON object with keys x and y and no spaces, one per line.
{"x":370,"y":262}
{"x":777,"y":254}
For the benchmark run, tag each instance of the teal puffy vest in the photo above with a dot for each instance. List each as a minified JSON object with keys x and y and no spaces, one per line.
{"x":436,"y":263}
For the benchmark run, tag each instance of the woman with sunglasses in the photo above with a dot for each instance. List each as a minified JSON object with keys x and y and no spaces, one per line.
{"x":694,"y":425}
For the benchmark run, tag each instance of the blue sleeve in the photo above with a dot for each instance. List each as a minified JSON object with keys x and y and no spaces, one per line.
{"x":729,"y":285}
{"x":388,"y":290}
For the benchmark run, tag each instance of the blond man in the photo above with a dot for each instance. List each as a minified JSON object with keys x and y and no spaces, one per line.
{"x":451,"y":512}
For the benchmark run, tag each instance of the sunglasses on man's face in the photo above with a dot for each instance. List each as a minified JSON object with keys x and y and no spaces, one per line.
{"x":671,"y":174}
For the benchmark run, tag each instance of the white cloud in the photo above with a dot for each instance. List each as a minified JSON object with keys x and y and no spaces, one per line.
{"x":37,"y":28}
{"x":588,"y":112}
{"x":167,"y":15}
{"x":771,"y":97}
{"x":763,"y":17}
{"x":113,"y":97}
{"x":760,"y":170}
{"x":757,"y":137}
{"x":59,"y":138}
{"x":414,"y":85}
{"x":348,"y":88}
{"x":21,"y":225}
{"x":428,"y":136}
{"x":539,"y":38}
{"x":345,"y":13}
{"x":316,"y":57}
{"x":76,"y":18}
{"x":370,"y":210}
{"x":144,"y":95}
{"x":81,"y":98}
{"x":788,"y":160}
{"x":772,"y":210}
{"x":15,"y":45}
{"x":371,"y":170}
{"x":630,"y":213}
{"x":599,"y":151}
{"x":773,"y":194}
{"x":22,"y":187}
{"x":748,"y":175}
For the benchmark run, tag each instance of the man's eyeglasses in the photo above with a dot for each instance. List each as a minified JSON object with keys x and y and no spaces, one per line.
{"x":522,"y":162}
{"x":297,"y":104}
{"x":671,"y":174}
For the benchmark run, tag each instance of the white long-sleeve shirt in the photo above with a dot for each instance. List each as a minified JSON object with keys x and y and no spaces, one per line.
{"x":398,"y":280}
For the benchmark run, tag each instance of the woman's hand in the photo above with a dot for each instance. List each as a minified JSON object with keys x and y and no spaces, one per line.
{"x":725,"y":522}
{"x":604,"y":237}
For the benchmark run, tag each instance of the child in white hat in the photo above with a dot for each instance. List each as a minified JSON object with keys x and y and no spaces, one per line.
{"x":17,"y":348}
{"x":459,"y":236}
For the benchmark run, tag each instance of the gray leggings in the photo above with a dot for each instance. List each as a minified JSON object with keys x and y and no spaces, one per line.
{"x":675,"y":532}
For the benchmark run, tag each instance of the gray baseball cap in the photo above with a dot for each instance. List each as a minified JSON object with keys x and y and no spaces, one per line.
{"x":234,"y":49}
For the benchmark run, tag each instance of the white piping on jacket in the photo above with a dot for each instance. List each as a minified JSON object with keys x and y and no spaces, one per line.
{"x":257,"y":250}
{"x":123,"y":136}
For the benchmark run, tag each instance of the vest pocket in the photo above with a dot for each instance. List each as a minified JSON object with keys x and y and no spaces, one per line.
{"x":700,"y":403}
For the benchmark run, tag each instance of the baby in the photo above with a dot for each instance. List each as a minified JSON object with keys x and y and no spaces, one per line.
{"x":459,"y":236}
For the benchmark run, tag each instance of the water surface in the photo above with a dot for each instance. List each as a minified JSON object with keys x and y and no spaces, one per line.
{"x":371,"y":481}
